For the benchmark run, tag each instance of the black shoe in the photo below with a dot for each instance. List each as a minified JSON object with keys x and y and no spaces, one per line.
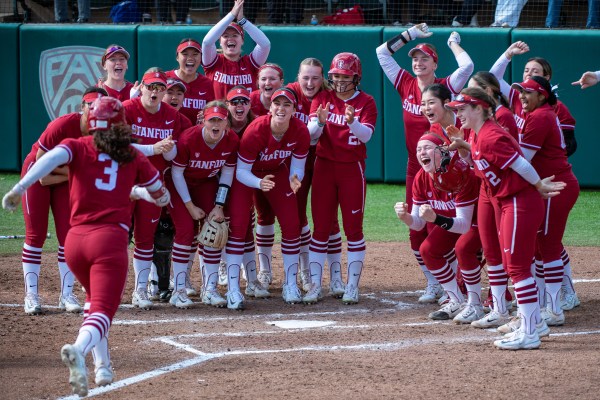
{"x":165,"y":295}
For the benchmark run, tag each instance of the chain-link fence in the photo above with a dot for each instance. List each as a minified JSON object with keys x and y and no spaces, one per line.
{"x":572,"y":14}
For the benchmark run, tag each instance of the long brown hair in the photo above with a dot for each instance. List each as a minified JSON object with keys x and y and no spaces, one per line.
{"x":116,"y":142}
{"x":483,"y":96}
{"x":486,"y":80}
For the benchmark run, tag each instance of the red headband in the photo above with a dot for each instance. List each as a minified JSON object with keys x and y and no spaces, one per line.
{"x":190,"y":43}
{"x":90,"y":97}
{"x":272,"y":66}
{"x":432,"y":137}
{"x":215,"y":112}
{"x":463,"y":100}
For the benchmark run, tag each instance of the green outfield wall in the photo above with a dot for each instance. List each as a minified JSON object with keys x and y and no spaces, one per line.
{"x":60,"y":61}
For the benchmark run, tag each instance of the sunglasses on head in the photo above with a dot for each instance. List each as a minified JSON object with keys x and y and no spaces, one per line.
{"x":237,"y":102}
{"x":156,"y":86}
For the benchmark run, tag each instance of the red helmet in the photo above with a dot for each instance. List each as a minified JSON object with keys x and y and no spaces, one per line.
{"x":453,"y":176}
{"x":346,"y":64}
{"x":104,"y":113}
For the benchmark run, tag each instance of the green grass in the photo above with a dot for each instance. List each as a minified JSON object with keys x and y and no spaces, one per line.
{"x":381,"y":224}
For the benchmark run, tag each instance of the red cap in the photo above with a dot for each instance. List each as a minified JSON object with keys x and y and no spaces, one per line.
{"x":530,"y":86}
{"x":215,"y":112}
{"x":285,"y":92}
{"x":237,"y":27}
{"x":154,"y":77}
{"x":108,"y":53}
{"x":190,"y":43}
{"x":434,"y":138}
{"x":425,"y":48}
{"x":90,"y":97}
{"x":237,"y":93}
{"x":463,"y":100}
{"x":175,"y":82}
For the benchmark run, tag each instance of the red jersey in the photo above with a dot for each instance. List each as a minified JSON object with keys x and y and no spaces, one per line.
{"x":493,"y":150}
{"x":259,"y":147}
{"x":564,"y":115}
{"x":122,"y":94}
{"x":337,"y":143}
{"x":99,"y":187}
{"x":444,"y":203}
{"x":226,"y":74}
{"x":199,"y":160}
{"x":542,"y":134}
{"x":303,"y":107}
{"x":256,"y":105}
{"x":197,"y":93}
{"x":152,"y":128}
{"x":64,"y":127}
{"x":506,"y":119}
{"x":415,"y":123}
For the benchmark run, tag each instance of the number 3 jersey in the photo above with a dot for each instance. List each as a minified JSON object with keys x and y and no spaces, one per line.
{"x":100,"y":187}
{"x":338,"y":143}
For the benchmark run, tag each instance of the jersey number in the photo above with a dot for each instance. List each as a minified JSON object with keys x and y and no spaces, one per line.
{"x":492,"y":178}
{"x":110,"y":171}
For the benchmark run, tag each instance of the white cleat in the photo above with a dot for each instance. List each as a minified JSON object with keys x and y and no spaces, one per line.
{"x":189,"y":289}
{"x":140,"y":299}
{"x":255,"y":289}
{"x":448,"y":311}
{"x":337,"y":289}
{"x":291,"y":294}
{"x":222,"y":274}
{"x":104,"y":375}
{"x":180,"y":299}
{"x":432,"y":293}
{"x":350,"y":295}
{"x":235,"y":300}
{"x":519,"y":340}
{"x":69,"y":303}
{"x":313,"y":295}
{"x":472,"y":312}
{"x":212,"y":297}
{"x":515,"y":324}
{"x":305,"y":279}
{"x":552,"y":318}
{"x":493,"y":319}
{"x":568,"y":301}
{"x":73,"y":358}
{"x":33,"y":304}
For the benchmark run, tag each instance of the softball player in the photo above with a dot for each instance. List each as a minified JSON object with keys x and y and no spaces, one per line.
{"x":424,"y":64}
{"x":230,"y":68}
{"x":265,"y":148}
{"x":445,"y":193}
{"x":199,"y":89}
{"x":102,"y":171}
{"x":154,"y":124}
{"x":512,"y":180}
{"x":270,"y":78}
{"x":537,"y":66}
{"x":51,"y":192}
{"x":342,"y":120}
{"x":114,"y":62}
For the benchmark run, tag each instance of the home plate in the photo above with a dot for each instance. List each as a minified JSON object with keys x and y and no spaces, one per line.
{"x":299,"y":324}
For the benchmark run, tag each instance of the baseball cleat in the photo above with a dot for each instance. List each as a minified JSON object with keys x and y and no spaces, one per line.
{"x":432,"y":293}
{"x":493,"y":319}
{"x":74,"y":360}
{"x":313,"y":295}
{"x":305,"y":279}
{"x":235,"y":300}
{"x":140,"y":299}
{"x":472,"y":312}
{"x":541,"y":328}
{"x":180,"y":299}
{"x":33,"y":304}
{"x":222,"y":274}
{"x":350,"y":295}
{"x":291,"y":294}
{"x":568,"y":301}
{"x":519,"y":341}
{"x":104,"y":375}
{"x":337,"y":289}
{"x":448,"y":311}
{"x":552,"y":318}
{"x":189,"y":289}
{"x":255,"y":289}
{"x":212,"y":297}
{"x":153,"y":291}
{"x":265,"y":278}
{"x":69,"y":303}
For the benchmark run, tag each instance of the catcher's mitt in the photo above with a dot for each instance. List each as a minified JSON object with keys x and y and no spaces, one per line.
{"x":214,"y":234}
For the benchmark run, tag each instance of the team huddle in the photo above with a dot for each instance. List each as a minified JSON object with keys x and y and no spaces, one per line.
{"x":487,"y":183}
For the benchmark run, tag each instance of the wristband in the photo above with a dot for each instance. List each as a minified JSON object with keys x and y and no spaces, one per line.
{"x":242,"y":21}
{"x":222,"y":195}
{"x":394,"y":44}
{"x":444,"y":222}
{"x":408,"y":33}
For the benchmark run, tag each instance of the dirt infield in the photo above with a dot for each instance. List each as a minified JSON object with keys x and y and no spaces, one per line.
{"x":385,"y":347}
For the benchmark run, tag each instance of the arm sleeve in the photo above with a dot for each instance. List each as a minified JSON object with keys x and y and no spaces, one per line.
{"x":418,"y":223}
{"x":597,"y":75}
{"x":179,"y":182}
{"x":209,"y":47}
{"x":297,"y":167}
{"x":362,"y":132}
{"x":170,"y":154}
{"x":314,"y":129}
{"x":528,"y":154}
{"x":498,"y":70}
{"x":227,"y":176}
{"x":42,"y":167}
{"x":387,"y":62}
{"x":462,"y":221}
{"x":459,"y":78}
{"x":522,"y":167}
{"x":146,"y":149}
{"x":244,"y":175}
{"x":263,"y":45}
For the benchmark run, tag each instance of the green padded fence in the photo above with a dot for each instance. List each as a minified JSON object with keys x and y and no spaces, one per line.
{"x":9,"y":36}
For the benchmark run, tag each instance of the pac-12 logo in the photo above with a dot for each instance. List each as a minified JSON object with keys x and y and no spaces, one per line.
{"x":65,"y":73}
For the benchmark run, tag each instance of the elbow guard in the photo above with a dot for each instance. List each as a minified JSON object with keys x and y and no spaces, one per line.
{"x":161,"y":196}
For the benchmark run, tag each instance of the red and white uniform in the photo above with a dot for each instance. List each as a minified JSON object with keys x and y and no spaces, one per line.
{"x":506,"y":119}
{"x":226,"y":74}
{"x":566,"y":120}
{"x":256,"y":105}
{"x":121,"y":95}
{"x":198,"y":92}
{"x":96,"y":246}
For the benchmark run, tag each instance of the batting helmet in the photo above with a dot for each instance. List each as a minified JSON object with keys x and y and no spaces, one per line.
{"x":346,"y":64}
{"x":452,"y":174}
{"x":104,"y":113}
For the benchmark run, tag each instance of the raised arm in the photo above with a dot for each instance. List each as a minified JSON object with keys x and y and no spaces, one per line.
{"x":459,"y":78}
